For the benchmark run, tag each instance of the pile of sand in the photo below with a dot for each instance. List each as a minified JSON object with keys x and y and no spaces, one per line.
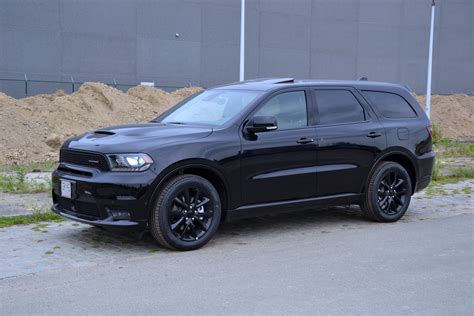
{"x":454,"y":114}
{"x":33,"y":128}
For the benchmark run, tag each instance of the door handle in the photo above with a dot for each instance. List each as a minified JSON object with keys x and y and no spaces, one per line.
{"x":305,"y":140}
{"x":374,"y":134}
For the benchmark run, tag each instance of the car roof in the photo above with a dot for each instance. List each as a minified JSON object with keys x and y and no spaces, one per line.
{"x":268,"y":84}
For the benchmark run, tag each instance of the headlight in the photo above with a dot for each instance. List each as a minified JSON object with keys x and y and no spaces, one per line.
{"x":130,"y":162}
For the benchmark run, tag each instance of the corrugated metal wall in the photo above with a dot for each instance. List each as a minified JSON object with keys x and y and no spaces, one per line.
{"x":134,"y":41}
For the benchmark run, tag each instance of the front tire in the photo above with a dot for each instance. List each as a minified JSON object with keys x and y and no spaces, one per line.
{"x":388,"y":193}
{"x":186,"y":214}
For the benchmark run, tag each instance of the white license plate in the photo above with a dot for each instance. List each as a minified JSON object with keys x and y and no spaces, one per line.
{"x":66,"y":188}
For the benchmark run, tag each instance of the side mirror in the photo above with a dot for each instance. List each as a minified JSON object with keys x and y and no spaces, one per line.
{"x":261,"y":124}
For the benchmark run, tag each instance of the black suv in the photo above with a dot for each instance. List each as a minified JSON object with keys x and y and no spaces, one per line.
{"x":246,"y":149}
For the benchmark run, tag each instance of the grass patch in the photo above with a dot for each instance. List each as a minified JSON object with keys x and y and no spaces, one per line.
{"x":13,"y":178}
{"x":36,"y":217}
{"x":452,"y":149}
{"x":449,"y":148}
{"x":437,"y":135}
{"x":34,"y":167}
{"x":463,"y":173}
{"x":455,"y":149}
{"x":460,"y":174}
{"x":17,"y":183}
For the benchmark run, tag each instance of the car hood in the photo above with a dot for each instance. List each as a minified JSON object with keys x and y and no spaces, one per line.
{"x":135,"y":137}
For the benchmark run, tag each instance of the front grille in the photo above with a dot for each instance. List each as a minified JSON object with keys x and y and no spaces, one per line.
{"x":84,"y":158}
{"x":79,"y":207}
{"x":75,"y":171}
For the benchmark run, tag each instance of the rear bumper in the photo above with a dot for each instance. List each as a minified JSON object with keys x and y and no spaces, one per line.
{"x":425,"y":171}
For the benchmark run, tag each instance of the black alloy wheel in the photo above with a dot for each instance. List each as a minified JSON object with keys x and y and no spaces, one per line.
{"x":392,"y":192}
{"x":187,"y":213}
{"x":191,"y":214}
{"x":388,"y":193}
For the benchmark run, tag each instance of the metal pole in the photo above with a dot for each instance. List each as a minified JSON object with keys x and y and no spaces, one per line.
{"x":242,"y":41}
{"x":72,"y":84}
{"x":430,"y":62}
{"x":26,"y":85}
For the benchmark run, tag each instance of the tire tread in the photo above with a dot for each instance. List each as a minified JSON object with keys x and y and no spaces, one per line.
{"x":155,"y":227}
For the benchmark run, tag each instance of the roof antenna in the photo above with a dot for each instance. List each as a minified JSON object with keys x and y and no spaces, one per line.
{"x":363,"y":79}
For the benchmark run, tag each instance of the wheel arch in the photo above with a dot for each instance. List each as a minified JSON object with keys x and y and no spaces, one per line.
{"x":400,"y":156}
{"x":200,"y":167}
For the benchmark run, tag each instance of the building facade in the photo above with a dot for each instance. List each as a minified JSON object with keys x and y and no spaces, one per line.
{"x":196,"y":42}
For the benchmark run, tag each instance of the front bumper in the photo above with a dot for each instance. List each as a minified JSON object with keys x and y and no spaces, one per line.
{"x":108,"y":222}
{"x":97,"y":196}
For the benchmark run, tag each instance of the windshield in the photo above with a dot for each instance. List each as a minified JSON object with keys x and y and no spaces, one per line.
{"x":212,"y":107}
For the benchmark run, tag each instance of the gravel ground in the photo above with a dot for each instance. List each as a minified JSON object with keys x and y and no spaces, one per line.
{"x":49,"y":246}
{"x":23,"y":204}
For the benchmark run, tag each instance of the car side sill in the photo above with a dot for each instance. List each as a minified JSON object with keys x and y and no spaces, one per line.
{"x":254,"y":210}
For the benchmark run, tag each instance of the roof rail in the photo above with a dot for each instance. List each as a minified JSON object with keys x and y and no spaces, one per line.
{"x":279,"y":80}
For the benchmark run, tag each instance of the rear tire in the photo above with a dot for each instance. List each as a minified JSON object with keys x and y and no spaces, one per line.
{"x":388,"y":193}
{"x":186,"y":214}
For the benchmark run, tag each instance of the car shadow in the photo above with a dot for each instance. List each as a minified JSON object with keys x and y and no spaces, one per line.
{"x":239,"y":232}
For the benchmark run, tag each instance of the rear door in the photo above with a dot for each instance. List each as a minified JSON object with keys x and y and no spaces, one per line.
{"x":279,"y":165}
{"x":349,"y":138}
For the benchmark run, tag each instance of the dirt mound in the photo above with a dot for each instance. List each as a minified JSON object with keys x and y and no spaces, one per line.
{"x":161,"y":98}
{"x":454,"y":114}
{"x":33,"y":128}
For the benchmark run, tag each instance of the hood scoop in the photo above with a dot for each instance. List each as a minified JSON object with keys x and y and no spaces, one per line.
{"x":100,"y":134}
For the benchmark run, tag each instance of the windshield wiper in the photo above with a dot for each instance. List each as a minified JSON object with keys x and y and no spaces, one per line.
{"x":180,"y":123}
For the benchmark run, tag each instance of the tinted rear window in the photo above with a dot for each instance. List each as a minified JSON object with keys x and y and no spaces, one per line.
{"x":389,"y":104}
{"x":338,"y":106}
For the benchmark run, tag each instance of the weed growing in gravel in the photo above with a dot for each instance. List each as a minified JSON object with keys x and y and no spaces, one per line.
{"x":435,"y":190}
{"x":39,"y":227}
{"x":467,"y":190}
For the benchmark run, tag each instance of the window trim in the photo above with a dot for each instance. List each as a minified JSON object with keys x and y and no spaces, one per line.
{"x":309,"y":108}
{"x":367,"y":116}
{"x":380,"y":113}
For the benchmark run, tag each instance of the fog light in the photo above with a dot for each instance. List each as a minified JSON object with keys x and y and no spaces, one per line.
{"x":119,"y":214}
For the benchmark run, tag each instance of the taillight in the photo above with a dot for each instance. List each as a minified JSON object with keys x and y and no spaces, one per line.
{"x":430,"y":131}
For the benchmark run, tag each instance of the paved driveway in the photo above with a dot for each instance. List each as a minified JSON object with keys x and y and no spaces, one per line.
{"x":324,"y":261}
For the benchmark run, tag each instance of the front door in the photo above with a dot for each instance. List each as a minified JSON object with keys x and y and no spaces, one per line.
{"x":279,"y":165}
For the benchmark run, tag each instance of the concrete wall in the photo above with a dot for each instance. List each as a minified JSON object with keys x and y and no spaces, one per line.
{"x":135,"y":41}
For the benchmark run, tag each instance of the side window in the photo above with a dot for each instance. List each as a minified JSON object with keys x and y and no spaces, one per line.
{"x":289,"y":109}
{"x":389,"y":104}
{"x":338,"y":106}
